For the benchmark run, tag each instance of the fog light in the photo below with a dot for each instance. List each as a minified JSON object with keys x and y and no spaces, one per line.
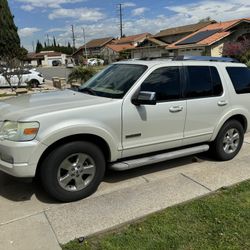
{"x":7,"y":158}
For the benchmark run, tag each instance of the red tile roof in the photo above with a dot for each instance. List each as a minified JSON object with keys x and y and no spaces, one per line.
{"x":120,"y":47}
{"x":183,"y":29}
{"x":224,"y":31}
{"x":132,"y":39}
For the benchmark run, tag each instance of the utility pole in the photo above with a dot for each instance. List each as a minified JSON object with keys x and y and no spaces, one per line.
{"x":121,"y":19}
{"x":73,"y":38}
{"x":33,"y":46}
{"x":85,"y":45}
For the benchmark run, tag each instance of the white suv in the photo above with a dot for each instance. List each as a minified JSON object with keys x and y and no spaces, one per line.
{"x":22,"y":77}
{"x":129,"y":115}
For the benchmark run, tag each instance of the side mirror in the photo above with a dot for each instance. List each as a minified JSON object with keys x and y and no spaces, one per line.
{"x":144,"y":98}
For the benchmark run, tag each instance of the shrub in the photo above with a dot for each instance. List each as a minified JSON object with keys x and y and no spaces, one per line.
{"x":81,"y":74}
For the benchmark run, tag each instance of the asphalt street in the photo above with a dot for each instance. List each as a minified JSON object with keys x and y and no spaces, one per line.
{"x":50,"y":72}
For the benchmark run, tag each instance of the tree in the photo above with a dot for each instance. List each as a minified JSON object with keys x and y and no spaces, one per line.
{"x":239,"y":50}
{"x":54,"y":41}
{"x":9,"y":39}
{"x":39,"y":47}
{"x":206,"y":19}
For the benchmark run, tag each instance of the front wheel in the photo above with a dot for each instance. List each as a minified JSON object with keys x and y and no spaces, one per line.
{"x":73,"y":171}
{"x":228,"y":141}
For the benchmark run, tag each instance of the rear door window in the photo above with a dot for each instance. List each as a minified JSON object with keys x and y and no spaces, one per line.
{"x":203,"y":81}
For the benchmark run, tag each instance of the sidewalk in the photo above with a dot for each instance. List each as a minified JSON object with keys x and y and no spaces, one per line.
{"x":29,"y":220}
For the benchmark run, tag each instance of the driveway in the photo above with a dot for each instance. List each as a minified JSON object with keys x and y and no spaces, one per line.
{"x":29,"y":219}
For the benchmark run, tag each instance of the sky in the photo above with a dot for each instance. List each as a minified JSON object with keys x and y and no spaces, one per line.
{"x":37,"y":19}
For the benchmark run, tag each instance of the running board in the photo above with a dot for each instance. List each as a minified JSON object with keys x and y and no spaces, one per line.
{"x":135,"y":163}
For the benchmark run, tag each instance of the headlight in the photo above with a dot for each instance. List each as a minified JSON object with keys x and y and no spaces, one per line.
{"x":19,"y":131}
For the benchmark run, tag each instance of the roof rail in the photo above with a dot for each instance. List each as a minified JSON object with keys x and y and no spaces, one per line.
{"x":205,"y":58}
{"x":156,"y":58}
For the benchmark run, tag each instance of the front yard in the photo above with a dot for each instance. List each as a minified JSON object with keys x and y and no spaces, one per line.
{"x":218,"y":221}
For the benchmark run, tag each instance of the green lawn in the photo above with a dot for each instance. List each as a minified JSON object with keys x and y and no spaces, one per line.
{"x":218,"y":221}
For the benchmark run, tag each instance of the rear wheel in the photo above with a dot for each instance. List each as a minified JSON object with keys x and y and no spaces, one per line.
{"x":73,"y":171}
{"x":229,"y":141}
{"x":34,"y":83}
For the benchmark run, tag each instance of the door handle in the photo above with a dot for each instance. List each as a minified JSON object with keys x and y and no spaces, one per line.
{"x":222,"y":103}
{"x":176,"y":109}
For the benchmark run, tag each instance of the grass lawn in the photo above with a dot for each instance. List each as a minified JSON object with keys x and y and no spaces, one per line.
{"x":218,"y":221}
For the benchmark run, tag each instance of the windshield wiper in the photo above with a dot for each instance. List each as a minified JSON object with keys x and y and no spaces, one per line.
{"x":87,"y":90}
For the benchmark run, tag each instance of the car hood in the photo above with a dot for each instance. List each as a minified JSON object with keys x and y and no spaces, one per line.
{"x":36,"y":104}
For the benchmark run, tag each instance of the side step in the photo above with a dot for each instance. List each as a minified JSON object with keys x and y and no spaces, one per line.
{"x":135,"y":163}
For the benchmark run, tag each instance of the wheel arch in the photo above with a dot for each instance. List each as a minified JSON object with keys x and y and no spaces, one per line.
{"x":97,"y":140}
{"x":238,"y":117}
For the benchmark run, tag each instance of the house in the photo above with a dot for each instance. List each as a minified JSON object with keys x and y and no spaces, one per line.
{"x":121,"y":48}
{"x":93,"y":48}
{"x":174,"y":34}
{"x":114,"y":52}
{"x":45,"y":58}
{"x":155,"y":46}
{"x":150,"y":48}
{"x":210,"y":40}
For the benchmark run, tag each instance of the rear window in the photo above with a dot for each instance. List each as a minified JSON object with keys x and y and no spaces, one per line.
{"x":240,"y":77}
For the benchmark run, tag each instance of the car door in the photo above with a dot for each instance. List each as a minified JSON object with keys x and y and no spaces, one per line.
{"x":207,"y":102}
{"x":150,"y":128}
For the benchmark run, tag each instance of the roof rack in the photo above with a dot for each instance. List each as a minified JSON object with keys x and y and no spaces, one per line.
{"x":156,"y":58}
{"x":205,"y":58}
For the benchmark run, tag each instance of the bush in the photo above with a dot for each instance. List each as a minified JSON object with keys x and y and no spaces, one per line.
{"x":81,"y":74}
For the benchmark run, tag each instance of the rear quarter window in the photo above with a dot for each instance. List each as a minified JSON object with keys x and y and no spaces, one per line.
{"x":240,"y":77}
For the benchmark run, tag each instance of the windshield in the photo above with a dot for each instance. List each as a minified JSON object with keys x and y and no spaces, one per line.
{"x":114,"y":81}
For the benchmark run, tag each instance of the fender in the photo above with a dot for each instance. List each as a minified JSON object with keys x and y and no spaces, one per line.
{"x":65,"y":129}
{"x":235,"y":111}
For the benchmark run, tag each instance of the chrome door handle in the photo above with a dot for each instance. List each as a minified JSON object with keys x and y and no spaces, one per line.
{"x":176,"y":109}
{"x":222,"y":103}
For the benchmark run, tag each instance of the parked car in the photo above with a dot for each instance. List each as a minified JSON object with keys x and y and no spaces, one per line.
{"x":95,"y":62}
{"x":33,"y":77}
{"x":56,"y":63}
{"x":129,"y":115}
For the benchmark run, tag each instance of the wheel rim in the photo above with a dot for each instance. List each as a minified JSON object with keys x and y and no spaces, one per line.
{"x":231,"y":141}
{"x":76,"y":172}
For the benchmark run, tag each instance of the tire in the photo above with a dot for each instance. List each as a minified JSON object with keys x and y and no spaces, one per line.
{"x":73,"y":171}
{"x":228,"y":141}
{"x":34,"y":83}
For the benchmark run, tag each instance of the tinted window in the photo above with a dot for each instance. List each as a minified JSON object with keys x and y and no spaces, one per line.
{"x":165,"y":82}
{"x":203,"y":81}
{"x":217,"y":85}
{"x":199,"y":81}
{"x":240,"y":78}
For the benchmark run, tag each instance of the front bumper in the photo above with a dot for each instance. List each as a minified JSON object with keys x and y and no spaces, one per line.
{"x":20,"y":159}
